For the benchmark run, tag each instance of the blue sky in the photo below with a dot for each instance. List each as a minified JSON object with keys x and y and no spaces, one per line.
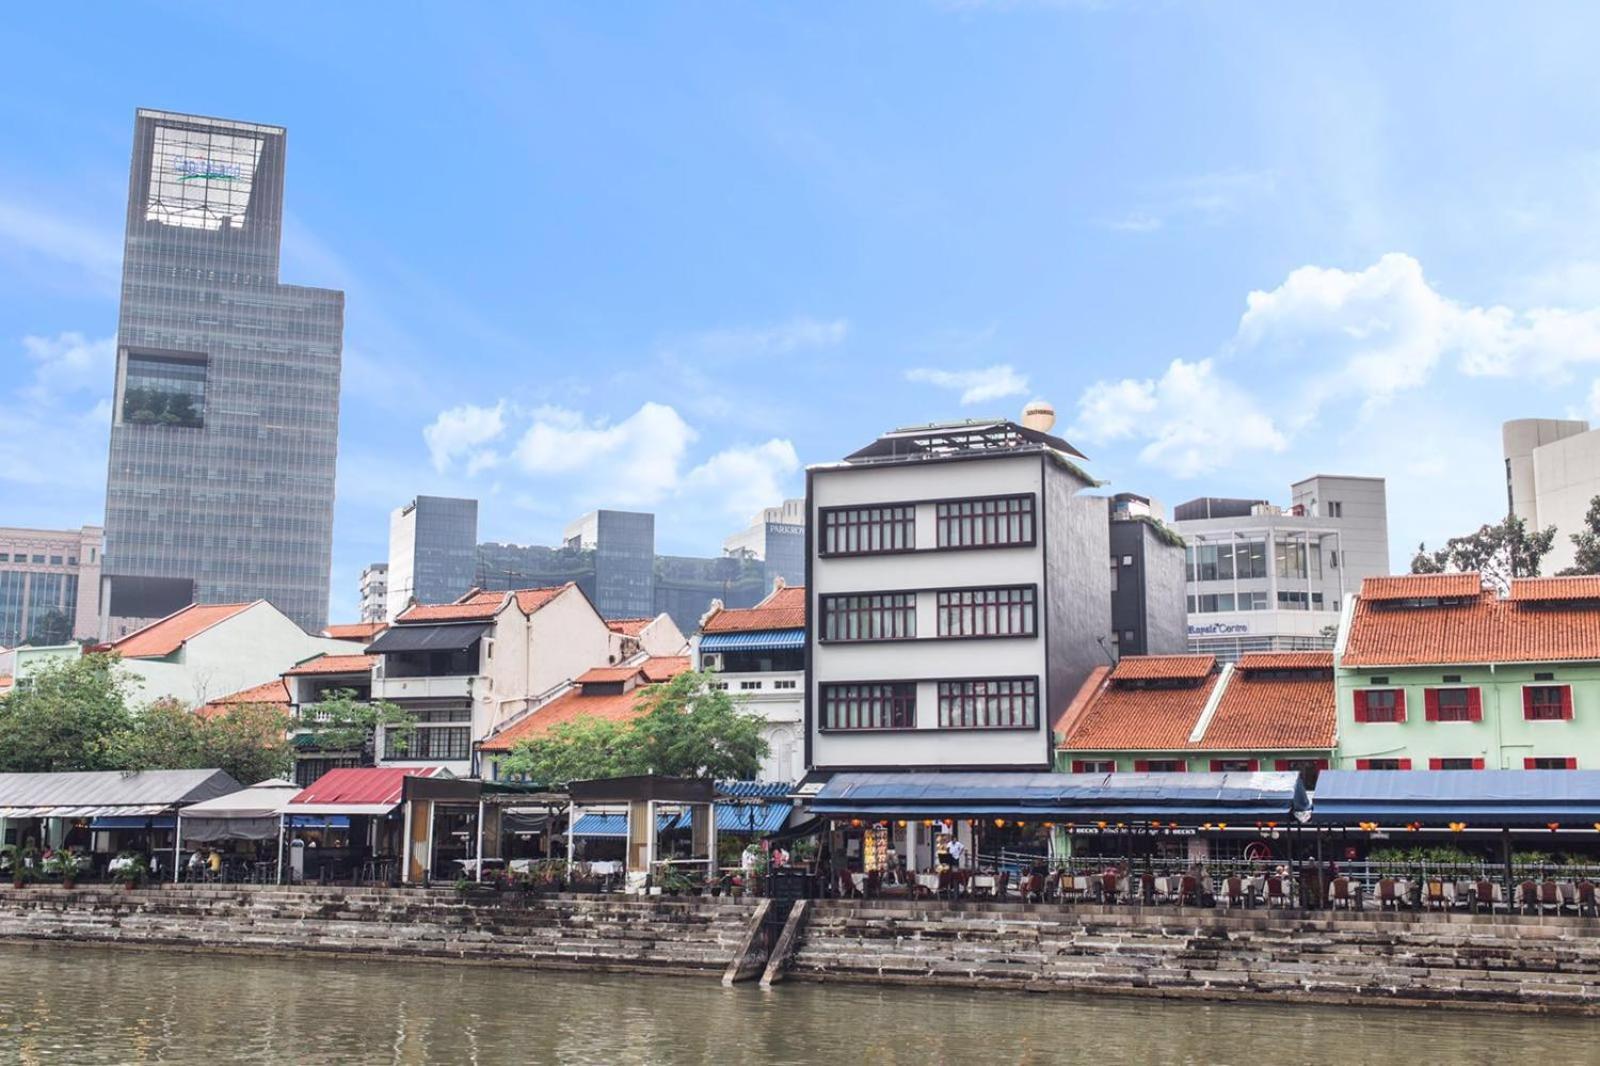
{"x":663,"y":256}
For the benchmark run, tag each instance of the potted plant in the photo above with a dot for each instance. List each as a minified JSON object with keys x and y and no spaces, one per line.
{"x":14,"y":861}
{"x":132,"y":869}
{"x":67,"y":865}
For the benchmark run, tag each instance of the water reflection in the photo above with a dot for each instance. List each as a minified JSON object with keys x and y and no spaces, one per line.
{"x":102,"y":1005}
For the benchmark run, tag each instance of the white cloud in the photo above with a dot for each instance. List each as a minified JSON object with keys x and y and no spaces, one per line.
{"x":630,"y":462}
{"x":797,"y":334}
{"x":37,"y":231}
{"x":1376,"y":332}
{"x":70,"y":361}
{"x":1191,"y":420}
{"x":461,"y":432}
{"x":744,"y":480}
{"x":976,"y":386}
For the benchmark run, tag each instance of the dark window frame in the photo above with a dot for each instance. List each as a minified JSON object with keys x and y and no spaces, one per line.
{"x":867,"y":706}
{"x":879,"y":615}
{"x":976,"y":613}
{"x":988,"y":704}
{"x":1009,"y":521}
{"x":871,"y":529}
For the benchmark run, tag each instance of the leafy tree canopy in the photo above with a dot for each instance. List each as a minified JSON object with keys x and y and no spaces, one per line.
{"x":1586,"y":543}
{"x":686,"y":729}
{"x":69,"y":715}
{"x":1498,"y":552}
{"x":340,"y":722}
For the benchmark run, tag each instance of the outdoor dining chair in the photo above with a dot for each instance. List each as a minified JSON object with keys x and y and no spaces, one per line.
{"x":1278,"y":891}
{"x":1390,"y":894}
{"x":1585,"y":890}
{"x":1233,"y":893}
{"x":1344,"y":894}
{"x":1549,"y":897}
{"x":1108,"y":888}
{"x":1528,"y":897}
{"x":1487,"y":893}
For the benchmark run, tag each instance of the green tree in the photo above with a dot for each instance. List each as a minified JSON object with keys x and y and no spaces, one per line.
{"x":573,"y":751}
{"x":340,"y":722}
{"x":686,"y":728}
{"x":70,"y":715}
{"x":690,"y":729}
{"x":1497,"y":552}
{"x":249,"y":741}
{"x":1586,"y":543}
{"x":163,"y":735}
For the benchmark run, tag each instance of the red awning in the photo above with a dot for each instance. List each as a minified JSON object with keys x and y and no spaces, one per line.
{"x":359,"y":790}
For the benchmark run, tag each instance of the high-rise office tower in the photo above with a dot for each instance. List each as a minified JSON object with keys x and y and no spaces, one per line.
{"x":433,"y":546}
{"x":624,"y":546}
{"x":225,"y":421}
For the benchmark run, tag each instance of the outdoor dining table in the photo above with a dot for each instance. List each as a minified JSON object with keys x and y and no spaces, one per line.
{"x":984,"y":884}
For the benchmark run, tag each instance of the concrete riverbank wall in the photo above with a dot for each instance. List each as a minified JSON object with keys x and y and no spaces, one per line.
{"x":606,"y":933}
{"x":1511,"y":962}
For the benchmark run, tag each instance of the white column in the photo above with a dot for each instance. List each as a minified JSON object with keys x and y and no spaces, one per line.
{"x":477,"y":856}
{"x":177,"y":844}
{"x":405,"y":846}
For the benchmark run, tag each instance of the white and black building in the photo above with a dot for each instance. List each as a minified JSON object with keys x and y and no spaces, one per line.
{"x":958,"y":595}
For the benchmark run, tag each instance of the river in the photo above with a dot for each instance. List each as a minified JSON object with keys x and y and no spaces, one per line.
{"x":109,"y":1005}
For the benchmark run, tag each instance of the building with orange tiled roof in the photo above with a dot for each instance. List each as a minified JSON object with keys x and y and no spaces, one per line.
{"x":468,"y":667}
{"x":1436,"y":672}
{"x":1176,"y":713}
{"x":657,"y":636}
{"x":205,"y":651}
{"x":758,"y":654}
{"x":612,"y":694}
{"x":356,"y":632}
{"x":272,"y":693}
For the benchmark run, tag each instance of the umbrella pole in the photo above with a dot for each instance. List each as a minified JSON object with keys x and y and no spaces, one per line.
{"x":478,"y":855}
{"x":177,"y":844}
{"x":280,"y":849}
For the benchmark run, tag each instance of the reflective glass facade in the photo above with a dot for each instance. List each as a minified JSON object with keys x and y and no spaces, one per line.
{"x":225,"y":425}
{"x":444,"y":547}
{"x":625,"y":557}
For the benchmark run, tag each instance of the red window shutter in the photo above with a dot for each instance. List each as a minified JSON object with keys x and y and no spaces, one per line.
{"x":1527,"y":763}
{"x":1400,"y":707}
{"x":1281,"y":764}
{"x":1430,"y":704}
{"x":1363,"y":764}
{"x":1405,"y":764}
{"x":1361,"y":706}
{"x":1474,"y":705}
{"x":1527,"y":703}
{"x":1216,"y":766}
{"x":1572,"y":762}
{"x":1141,"y":766}
{"x":1477,"y":764}
{"x":1255,"y":764}
{"x":1322,"y":764}
{"x":1566,"y":702}
{"x":1077,"y":766}
{"x":1436,"y":764}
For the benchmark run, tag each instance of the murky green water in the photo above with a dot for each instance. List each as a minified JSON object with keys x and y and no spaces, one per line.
{"x":104,"y":1005}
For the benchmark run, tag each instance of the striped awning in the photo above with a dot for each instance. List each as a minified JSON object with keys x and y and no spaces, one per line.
{"x":758,"y":640}
{"x":83,"y":812}
{"x":601,"y":825}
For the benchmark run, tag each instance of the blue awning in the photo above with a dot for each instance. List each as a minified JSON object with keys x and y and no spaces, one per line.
{"x":759,"y":789}
{"x":759,"y":818}
{"x":760,"y":640}
{"x":601,"y":825}
{"x":1480,"y":798}
{"x":318,"y":821}
{"x":131,"y":821}
{"x":1063,"y":797}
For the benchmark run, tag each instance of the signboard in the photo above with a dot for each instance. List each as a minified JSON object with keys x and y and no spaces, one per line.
{"x":1219,"y":629}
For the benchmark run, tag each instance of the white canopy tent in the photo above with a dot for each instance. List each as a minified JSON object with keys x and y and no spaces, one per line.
{"x":248,"y":814}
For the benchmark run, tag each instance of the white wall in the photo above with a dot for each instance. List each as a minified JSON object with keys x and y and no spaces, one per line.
{"x":402,"y":560}
{"x":926,"y":660}
{"x":1567,"y":477}
{"x":251,"y":648}
{"x":565,"y":637}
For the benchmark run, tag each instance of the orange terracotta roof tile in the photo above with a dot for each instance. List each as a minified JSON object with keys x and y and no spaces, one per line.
{"x":474,"y":606}
{"x":785,"y":608}
{"x":160,"y":639}
{"x":1421,"y":587}
{"x":1123,"y":718}
{"x":274,"y":693}
{"x":1485,"y":630}
{"x":5,"y":682}
{"x":1072,"y":712}
{"x":604,"y":674}
{"x":1162,"y":667}
{"x":1555,"y":589}
{"x":628,"y":627}
{"x":531,"y":600}
{"x":1271,"y":714}
{"x":569,"y":707}
{"x":1286,"y":660}
{"x":664,"y":667}
{"x":333,"y":664}
{"x":360,"y":631}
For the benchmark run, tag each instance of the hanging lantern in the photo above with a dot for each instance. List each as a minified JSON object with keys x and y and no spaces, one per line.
{"x":999,"y":823}
{"x":1119,"y":825}
{"x":1222,"y":825}
{"x":901,"y":824}
{"x":1102,"y":825}
{"x":1073,"y":825}
{"x":1272,"y":825}
{"x":855,"y":823}
{"x":1552,"y":826}
{"x":1368,"y":827}
{"x":1412,"y":827}
{"x":1049,"y":825}
{"x":927,"y":822}
{"x":1456,"y":827}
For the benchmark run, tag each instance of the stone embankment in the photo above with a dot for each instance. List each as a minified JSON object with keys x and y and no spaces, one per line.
{"x":1510,"y":962}
{"x":1507,"y":961}
{"x":608,"y":933}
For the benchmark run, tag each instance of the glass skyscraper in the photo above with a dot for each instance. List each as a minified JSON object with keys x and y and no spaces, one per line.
{"x":433,"y":550}
{"x":225,"y":420}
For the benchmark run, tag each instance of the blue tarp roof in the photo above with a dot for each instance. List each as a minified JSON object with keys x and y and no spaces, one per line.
{"x":317,"y":821}
{"x":1063,"y":797}
{"x":760,"y":818}
{"x":758,"y":789}
{"x":132,"y":821}
{"x":760,"y":640}
{"x":1439,"y":797}
{"x":601,"y":825}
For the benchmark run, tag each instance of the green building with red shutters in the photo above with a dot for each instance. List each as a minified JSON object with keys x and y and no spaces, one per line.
{"x":1433,"y":672}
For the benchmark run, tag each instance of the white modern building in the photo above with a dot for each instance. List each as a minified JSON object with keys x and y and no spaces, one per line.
{"x":758,"y":656}
{"x":375,"y":592}
{"x":958,"y":595}
{"x":1552,"y":475}
{"x":49,"y":585}
{"x":1263,"y":577}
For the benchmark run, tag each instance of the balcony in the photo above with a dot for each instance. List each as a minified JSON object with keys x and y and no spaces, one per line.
{"x":456,"y":687}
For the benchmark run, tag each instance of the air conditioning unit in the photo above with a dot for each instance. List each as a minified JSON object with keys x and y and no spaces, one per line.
{"x":711,"y":661}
